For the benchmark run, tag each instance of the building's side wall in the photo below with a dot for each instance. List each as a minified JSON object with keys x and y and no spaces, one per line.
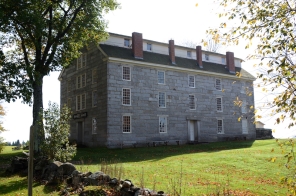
{"x":99,"y":113}
{"x":145,"y":112}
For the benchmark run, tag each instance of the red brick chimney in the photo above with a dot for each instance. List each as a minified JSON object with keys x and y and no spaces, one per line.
{"x":199,"y":56}
{"x":230,"y":62}
{"x":137,"y":45}
{"x":172,"y":51}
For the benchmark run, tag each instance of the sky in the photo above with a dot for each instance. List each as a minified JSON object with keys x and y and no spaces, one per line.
{"x":161,"y":21}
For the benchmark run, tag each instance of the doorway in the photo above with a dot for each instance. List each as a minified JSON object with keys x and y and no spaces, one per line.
{"x":193,"y":129}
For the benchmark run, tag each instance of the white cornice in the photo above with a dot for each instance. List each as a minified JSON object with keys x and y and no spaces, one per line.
{"x":174,"y":68}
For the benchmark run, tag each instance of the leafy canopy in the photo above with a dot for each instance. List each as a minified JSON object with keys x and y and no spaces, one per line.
{"x":271,"y":24}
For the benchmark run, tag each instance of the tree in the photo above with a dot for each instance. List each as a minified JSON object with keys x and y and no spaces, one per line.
{"x":57,"y":129}
{"x":44,"y":36}
{"x":271,"y":24}
{"x":2,"y":143}
{"x":211,"y":44}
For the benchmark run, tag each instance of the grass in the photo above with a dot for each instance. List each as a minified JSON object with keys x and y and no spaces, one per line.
{"x":241,"y":168}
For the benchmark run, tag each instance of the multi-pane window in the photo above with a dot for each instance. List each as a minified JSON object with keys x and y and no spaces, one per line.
{"x":189,"y":54}
{"x":149,"y":47}
{"x":126,"y":42}
{"x":244,"y":106}
{"x":94,"y":126}
{"x":218,"y":84}
{"x":219,"y":104}
{"x":244,"y":126}
{"x":126,"y":73}
{"x":160,"y":77}
{"x":126,"y":124}
{"x":81,"y":81}
{"x":80,"y":102}
{"x":161,"y":100}
{"x":81,"y":61}
{"x":126,"y":96}
{"x":191,"y":81}
{"x":207,"y":57}
{"x":243,"y":89}
{"x":191,"y":102}
{"x":94,"y":98}
{"x":94,"y":76}
{"x":162,"y":124}
{"x":223,"y":60}
{"x":220,"y":126}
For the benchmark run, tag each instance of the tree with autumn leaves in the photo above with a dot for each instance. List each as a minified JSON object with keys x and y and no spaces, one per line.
{"x":41,"y":36}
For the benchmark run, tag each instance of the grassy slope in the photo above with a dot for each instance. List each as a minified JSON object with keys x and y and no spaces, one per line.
{"x":208,"y":168}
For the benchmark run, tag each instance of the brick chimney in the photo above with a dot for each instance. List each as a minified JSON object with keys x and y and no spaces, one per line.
{"x":230,"y":62}
{"x":199,"y":56}
{"x":137,"y":45}
{"x":172,"y":51}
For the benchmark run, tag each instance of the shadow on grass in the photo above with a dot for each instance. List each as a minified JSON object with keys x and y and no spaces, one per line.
{"x":96,"y":155}
{"x":14,"y":185}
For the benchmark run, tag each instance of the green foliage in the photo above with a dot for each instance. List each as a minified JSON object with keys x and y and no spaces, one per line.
{"x":2,"y":143}
{"x":271,"y":25}
{"x":57,"y":129}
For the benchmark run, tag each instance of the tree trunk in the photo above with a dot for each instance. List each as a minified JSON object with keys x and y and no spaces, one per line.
{"x":37,"y":108}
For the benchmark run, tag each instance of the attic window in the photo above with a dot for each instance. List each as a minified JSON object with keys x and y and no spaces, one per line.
{"x":149,"y":47}
{"x":126,"y":42}
{"x":189,"y":54}
{"x":207,"y":57}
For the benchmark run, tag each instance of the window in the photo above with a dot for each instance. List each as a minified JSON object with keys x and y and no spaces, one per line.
{"x":244,"y":126}
{"x":126,"y":96}
{"x":218,"y":85}
{"x":160,"y":76}
{"x":191,"y":81}
{"x":243,"y":89}
{"x":223,"y":60}
{"x":162,"y":124}
{"x":69,"y":85}
{"x":94,"y":99}
{"x":94,"y":126}
{"x":80,"y":102}
{"x":191,"y":102}
{"x":244,"y":106}
{"x":126,"y":73}
{"x":207,"y":57}
{"x":126,"y":42}
{"x":81,"y":61}
{"x":81,"y":81}
{"x":126,"y":124}
{"x":220,"y":126}
{"x":219,"y":104}
{"x":149,"y":47}
{"x":161,"y":100}
{"x":189,"y":54}
{"x":94,"y":76}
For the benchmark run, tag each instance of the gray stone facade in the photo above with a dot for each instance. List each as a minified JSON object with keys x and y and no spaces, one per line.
{"x":183,"y":124}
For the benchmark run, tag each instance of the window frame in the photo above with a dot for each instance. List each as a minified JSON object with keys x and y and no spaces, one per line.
{"x":220,"y":125}
{"x":149,"y":47}
{"x":246,"y":121}
{"x":219,"y":107}
{"x":162,"y":100}
{"x":244,"y":107}
{"x":94,"y":127}
{"x":81,"y":61}
{"x":223,"y":60}
{"x":189,"y":54}
{"x":192,"y":102}
{"x":126,"y":42}
{"x":207,"y":57}
{"x":165,"y":124}
{"x":218,"y":86}
{"x":124,"y":97}
{"x":158,"y":79}
{"x":81,"y":81}
{"x":80,"y":102}
{"x":94,"y":76}
{"x":128,"y":126}
{"x":190,"y":82}
{"x":124,"y":74}
{"x":94,"y":94}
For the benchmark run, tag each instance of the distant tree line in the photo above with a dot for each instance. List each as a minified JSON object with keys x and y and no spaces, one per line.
{"x":18,"y":143}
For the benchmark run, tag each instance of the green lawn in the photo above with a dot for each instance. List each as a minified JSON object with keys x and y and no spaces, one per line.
{"x":241,"y":167}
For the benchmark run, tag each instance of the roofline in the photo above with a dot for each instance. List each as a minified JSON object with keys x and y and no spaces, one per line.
{"x":140,"y":63}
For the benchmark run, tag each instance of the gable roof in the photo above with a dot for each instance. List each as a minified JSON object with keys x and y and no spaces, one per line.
{"x":156,"y":58}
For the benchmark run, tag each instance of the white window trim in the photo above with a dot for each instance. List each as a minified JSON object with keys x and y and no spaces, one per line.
{"x":219,"y":88}
{"x":147,"y":47}
{"x":189,"y":54}
{"x":193,"y":102}
{"x":129,"y":42}
{"x":94,"y":126}
{"x":244,"y":107}
{"x":243,"y":89}
{"x":130,"y":101}
{"x":221,"y":104}
{"x":166,"y":125}
{"x":163,"y":77}
{"x":130,"y":75}
{"x":245,"y":120}
{"x":79,"y":79}
{"x":207,"y":57}
{"x":83,"y":107}
{"x":164,"y":100}
{"x":222,"y":131}
{"x":81,"y":60}
{"x":223,"y":60}
{"x":92,"y":98}
{"x":189,"y":81}
{"x":130,"y":123}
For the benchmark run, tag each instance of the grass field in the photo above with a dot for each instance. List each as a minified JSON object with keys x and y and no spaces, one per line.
{"x":241,"y":168}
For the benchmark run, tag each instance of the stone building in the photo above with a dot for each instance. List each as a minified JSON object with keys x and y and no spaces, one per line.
{"x":133,"y":90}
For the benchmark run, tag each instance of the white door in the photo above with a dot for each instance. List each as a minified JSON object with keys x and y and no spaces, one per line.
{"x":191,"y":130}
{"x":245,"y":126}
